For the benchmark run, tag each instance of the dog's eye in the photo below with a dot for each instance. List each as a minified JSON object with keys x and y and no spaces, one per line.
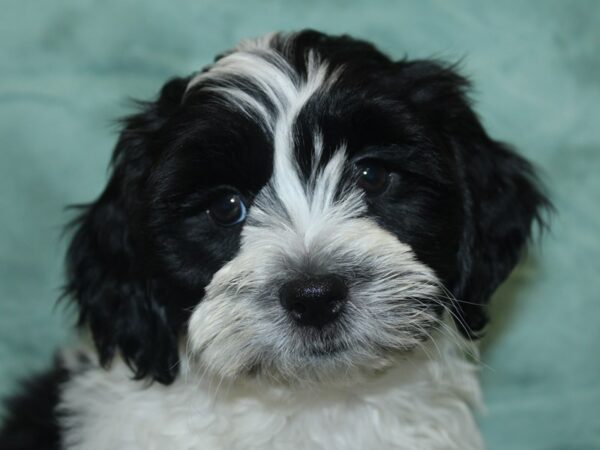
{"x":228,"y":210}
{"x":372,"y":177}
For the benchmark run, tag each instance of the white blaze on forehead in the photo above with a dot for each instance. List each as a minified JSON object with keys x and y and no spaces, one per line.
{"x":270,"y":75}
{"x":259,"y":66}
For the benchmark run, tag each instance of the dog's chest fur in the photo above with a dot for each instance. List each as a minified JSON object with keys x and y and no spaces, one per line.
{"x":424,"y":403}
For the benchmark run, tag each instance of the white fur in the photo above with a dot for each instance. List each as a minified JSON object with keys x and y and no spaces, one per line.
{"x":424,"y":403}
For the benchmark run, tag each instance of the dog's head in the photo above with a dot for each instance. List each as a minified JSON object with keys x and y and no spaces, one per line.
{"x":301,"y":207}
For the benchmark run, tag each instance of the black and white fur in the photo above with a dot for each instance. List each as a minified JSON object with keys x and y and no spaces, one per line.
{"x":191,"y":347}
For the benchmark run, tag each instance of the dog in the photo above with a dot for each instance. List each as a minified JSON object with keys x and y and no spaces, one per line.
{"x":294,"y":250}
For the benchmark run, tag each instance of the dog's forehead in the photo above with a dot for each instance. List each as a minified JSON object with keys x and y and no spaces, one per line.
{"x":302,"y":102}
{"x":278,"y":84}
{"x":261,"y":91}
{"x":269,"y":80}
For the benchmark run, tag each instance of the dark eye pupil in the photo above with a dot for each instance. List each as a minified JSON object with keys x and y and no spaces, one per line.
{"x":228,"y":210}
{"x":373,"y":178}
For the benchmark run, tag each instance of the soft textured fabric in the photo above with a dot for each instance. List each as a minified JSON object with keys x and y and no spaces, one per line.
{"x":66,"y":67}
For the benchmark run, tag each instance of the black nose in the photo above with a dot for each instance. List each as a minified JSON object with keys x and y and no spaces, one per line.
{"x":314,"y":301}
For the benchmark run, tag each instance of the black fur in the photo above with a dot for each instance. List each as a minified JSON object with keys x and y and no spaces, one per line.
{"x":500,"y":193}
{"x":32,"y":422}
{"x":107,"y":274}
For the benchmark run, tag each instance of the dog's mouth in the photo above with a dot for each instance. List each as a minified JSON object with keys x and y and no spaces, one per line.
{"x":327,"y":351}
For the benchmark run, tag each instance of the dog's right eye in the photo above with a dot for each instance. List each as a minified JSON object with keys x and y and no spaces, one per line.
{"x":228,"y":210}
{"x":373,"y":178}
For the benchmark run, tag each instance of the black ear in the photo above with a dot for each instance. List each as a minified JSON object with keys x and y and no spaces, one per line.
{"x":501,"y":195}
{"x":116,"y":294}
{"x":502,"y":200}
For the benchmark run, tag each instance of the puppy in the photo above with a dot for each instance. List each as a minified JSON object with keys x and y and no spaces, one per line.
{"x":294,"y":250}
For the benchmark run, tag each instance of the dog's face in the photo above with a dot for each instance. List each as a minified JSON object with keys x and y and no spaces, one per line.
{"x":301,"y":208}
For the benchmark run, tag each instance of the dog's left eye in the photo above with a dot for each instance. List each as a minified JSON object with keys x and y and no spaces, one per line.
{"x":372,"y":177}
{"x":228,"y":210}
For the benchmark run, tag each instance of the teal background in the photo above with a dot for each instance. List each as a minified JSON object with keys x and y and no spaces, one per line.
{"x":66,"y":67}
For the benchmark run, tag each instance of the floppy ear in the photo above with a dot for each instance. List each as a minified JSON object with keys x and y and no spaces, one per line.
{"x":501,"y":195}
{"x":116,"y":294}
{"x":502,"y":200}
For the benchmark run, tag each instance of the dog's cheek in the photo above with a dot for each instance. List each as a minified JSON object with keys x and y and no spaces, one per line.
{"x":218,"y":337}
{"x":225,"y":331}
